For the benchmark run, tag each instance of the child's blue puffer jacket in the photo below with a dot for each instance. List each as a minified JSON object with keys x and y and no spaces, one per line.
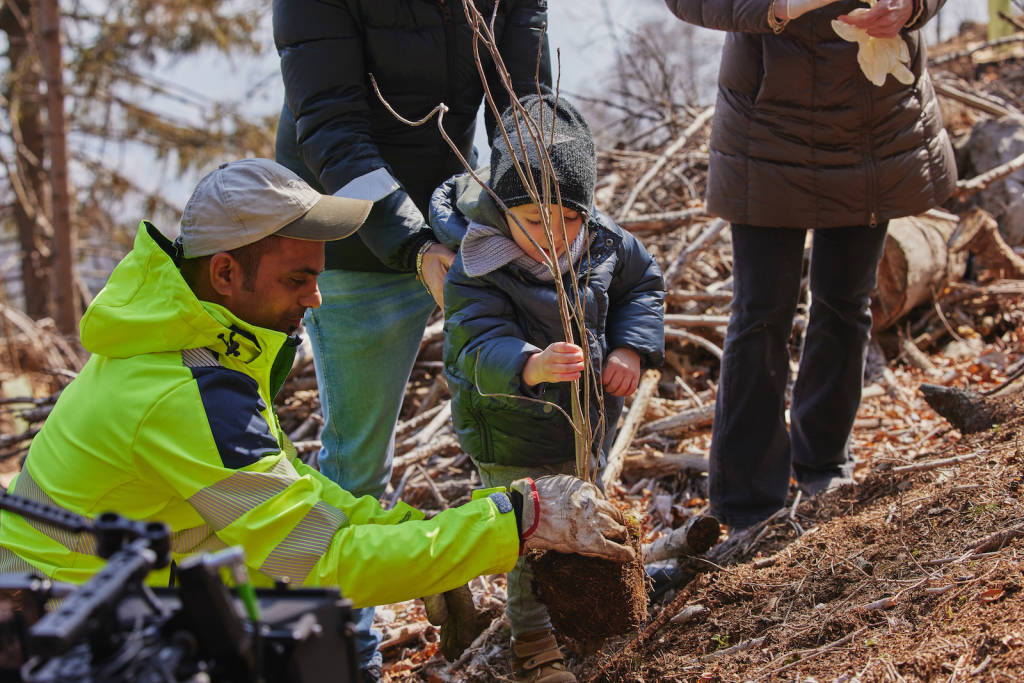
{"x":495,"y":322}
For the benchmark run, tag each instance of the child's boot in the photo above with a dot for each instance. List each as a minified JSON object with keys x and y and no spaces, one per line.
{"x":539,"y":659}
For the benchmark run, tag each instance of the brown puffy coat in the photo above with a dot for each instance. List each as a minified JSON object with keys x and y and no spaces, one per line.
{"x":802,"y":139}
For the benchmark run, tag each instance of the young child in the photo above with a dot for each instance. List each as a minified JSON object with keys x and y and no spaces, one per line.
{"x":504,"y":339}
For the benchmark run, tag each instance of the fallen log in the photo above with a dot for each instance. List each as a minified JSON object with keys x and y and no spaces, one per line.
{"x":681,"y":422}
{"x":916,"y":264}
{"x":950,"y":56}
{"x":656,"y":465}
{"x":663,"y":221}
{"x":445,"y":444}
{"x":694,"y":339}
{"x":709,"y":235}
{"x":693,"y":538}
{"x":972,"y":99}
{"x":686,"y":320}
{"x":405,"y":635}
{"x":968,"y":187}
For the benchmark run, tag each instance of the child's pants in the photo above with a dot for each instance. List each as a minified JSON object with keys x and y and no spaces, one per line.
{"x":525,"y":612}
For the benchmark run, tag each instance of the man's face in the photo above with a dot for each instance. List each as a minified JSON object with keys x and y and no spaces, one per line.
{"x":283,"y":288}
{"x":530,"y":217}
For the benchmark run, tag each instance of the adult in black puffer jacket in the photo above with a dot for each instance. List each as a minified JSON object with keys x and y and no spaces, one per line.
{"x":342,"y":139}
{"x":335,"y":130}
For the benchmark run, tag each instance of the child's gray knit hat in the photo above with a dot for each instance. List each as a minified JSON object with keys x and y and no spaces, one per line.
{"x":571,"y":150}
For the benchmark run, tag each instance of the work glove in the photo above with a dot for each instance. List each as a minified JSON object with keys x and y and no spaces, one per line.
{"x":460,"y":621}
{"x":878,"y":57}
{"x":566,"y":514}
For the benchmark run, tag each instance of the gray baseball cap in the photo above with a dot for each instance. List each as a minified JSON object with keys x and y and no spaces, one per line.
{"x":244,"y":201}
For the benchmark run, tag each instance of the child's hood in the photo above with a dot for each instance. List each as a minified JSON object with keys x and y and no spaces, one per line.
{"x":459,"y":201}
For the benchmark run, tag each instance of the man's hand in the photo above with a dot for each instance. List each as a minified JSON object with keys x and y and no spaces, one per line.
{"x":559,"y":362}
{"x":884,"y":20}
{"x":566,"y":514}
{"x":621,"y":372}
{"x":786,"y":10}
{"x":436,"y":262}
{"x":456,"y":613}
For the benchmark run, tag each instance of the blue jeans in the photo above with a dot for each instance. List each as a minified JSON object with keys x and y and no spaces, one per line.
{"x":752,"y":454}
{"x":365,"y":336}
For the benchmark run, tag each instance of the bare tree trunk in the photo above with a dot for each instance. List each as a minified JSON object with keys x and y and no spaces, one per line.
{"x":66,"y":299}
{"x":28,"y":179}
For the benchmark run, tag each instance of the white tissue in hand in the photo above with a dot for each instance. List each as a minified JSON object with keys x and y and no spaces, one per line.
{"x":878,"y":57}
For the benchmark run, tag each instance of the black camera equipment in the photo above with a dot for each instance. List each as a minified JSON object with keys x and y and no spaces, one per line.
{"x":116,"y":629}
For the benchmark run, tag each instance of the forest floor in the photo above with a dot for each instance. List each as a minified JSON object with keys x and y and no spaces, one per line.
{"x":914,"y":573}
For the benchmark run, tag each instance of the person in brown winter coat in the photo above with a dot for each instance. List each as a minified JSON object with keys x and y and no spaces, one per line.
{"x":804,"y":139}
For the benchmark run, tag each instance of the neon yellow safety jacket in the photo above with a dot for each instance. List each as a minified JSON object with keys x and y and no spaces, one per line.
{"x":170,"y":420}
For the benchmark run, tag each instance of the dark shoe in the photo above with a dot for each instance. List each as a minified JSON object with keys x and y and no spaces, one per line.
{"x":662,"y":577}
{"x":824,"y":483}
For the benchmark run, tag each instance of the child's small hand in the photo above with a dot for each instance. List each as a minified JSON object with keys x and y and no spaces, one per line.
{"x":621,"y":372}
{"x":559,"y":362}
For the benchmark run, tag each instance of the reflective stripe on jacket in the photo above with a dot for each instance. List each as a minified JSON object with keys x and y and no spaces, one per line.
{"x":169,"y":420}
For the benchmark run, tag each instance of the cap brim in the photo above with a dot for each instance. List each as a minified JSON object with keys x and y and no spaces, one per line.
{"x":331,"y":218}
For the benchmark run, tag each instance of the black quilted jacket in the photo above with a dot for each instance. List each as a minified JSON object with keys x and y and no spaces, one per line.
{"x":420,"y":52}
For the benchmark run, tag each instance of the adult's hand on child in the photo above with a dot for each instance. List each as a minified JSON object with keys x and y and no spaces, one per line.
{"x":884,"y":20}
{"x":559,"y":362}
{"x":566,"y":514}
{"x":621,"y":372}
{"x":436,"y":262}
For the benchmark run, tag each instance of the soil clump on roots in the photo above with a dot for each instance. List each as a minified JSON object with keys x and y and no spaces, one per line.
{"x":589,"y":598}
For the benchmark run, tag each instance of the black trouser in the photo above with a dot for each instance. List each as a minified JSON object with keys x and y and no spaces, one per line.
{"x":752,"y":454}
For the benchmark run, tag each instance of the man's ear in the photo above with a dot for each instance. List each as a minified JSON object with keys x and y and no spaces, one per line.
{"x":225,"y":273}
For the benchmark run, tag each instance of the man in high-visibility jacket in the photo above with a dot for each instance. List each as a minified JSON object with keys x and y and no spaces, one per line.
{"x":171,"y":420}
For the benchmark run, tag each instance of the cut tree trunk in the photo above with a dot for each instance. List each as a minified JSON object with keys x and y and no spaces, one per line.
{"x":916,"y":265}
{"x":693,"y":538}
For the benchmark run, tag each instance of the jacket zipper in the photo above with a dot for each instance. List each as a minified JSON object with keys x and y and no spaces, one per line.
{"x":869,"y":160}
{"x":450,"y":51}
